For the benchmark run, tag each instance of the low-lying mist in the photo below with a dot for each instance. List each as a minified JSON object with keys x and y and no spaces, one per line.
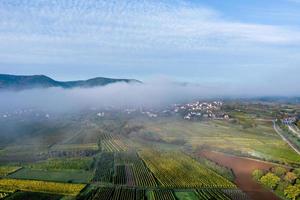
{"x":153,"y":94}
{"x":117,"y":95}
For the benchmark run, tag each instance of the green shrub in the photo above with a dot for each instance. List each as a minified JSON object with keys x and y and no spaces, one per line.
{"x":297,"y":172}
{"x":282,"y":185}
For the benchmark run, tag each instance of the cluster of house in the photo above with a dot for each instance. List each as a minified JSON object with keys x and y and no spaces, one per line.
{"x":24,"y":113}
{"x":189,"y":111}
{"x":289,"y":120}
{"x":100,"y":114}
{"x":201,"y":110}
{"x":150,"y":114}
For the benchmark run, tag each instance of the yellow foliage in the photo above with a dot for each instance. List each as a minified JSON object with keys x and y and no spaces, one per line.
{"x":41,"y":186}
{"x":175,"y":169}
{"x":5,"y":170}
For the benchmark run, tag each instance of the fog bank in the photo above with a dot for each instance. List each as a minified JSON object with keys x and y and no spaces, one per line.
{"x":122,"y":95}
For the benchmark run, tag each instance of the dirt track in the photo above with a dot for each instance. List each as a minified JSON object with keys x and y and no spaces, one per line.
{"x":243,"y":168}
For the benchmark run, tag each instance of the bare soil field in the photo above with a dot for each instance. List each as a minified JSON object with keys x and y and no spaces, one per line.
{"x":243,"y":168}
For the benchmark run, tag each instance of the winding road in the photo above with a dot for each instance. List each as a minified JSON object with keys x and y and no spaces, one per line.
{"x":278,"y":131}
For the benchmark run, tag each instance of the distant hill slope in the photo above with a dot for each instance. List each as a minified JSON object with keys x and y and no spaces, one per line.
{"x":14,"y":82}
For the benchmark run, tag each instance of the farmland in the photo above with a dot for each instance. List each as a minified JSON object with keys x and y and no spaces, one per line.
{"x":5,"y":170}
{"x":129,"y":193}
{"x":68,"y":176}
{"x":20,"y":195}
{"x":104,"y":167}
{"x":65,"y":163}
{"x":86,"y":157}
{"x":109,"y":143}
{"x":41,"y":186}
{"x":260,"y":141}
{"x":136,"y":172}
{"x":174,"y":169}
{"x":107,"y":193}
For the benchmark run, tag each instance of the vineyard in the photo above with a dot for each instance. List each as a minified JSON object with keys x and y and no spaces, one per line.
{"x":133,"y":193}
{"x":111,"y":143}
{"x":20,"y":195}
{"x":135,"y":170}
{"x":104,"y":167}
{"x":163,"y":195}
{"x":64,"y":163}
{"x":115,"y":193}
{"x":114,"y":166}
{"x":235,"y":194}
{"x":212,"y":194}
{"x":74,"y":147}
{"x":40,"y":186}
{"x":175,"y":169}
{"x":120,"y":175}
{"x":126,"y":175}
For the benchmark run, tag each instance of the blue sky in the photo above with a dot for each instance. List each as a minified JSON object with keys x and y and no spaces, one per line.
{"x":248,"y":42}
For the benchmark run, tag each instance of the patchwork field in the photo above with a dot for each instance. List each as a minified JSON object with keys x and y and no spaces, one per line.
{"x":134,"y":158}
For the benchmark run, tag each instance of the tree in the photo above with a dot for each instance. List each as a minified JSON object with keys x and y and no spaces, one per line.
{"x":292,"y":191}
{"x":290,"y":177}
{"x":279,"y":171}
{"x":297,"y":171}
{"x":270,"y":180}
{"x":257,"y":174}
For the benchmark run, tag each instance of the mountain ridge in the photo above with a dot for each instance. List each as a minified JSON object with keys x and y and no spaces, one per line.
{"x":22,"y":82}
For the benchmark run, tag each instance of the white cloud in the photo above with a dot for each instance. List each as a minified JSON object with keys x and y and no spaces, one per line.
{"x":55,"y":31}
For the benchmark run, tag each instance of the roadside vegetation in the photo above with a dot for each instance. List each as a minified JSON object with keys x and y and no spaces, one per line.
{"x":224,"y":171}
{"x":284,"y":182}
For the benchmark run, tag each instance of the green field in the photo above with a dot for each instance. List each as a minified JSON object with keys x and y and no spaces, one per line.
{"x":5,"y":170}
{"x":67,"y":176}
{"x":11,"y":185}
{"x":64,"y":163}
{"x":186,"y":196}
{"x":260,"y":141}
{"x":33,"y":196}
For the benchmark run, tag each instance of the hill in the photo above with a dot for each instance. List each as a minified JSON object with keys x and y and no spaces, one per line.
{"x":15,"y":82}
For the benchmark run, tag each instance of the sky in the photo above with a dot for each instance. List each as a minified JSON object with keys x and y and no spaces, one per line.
{"x":248,"y":43}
